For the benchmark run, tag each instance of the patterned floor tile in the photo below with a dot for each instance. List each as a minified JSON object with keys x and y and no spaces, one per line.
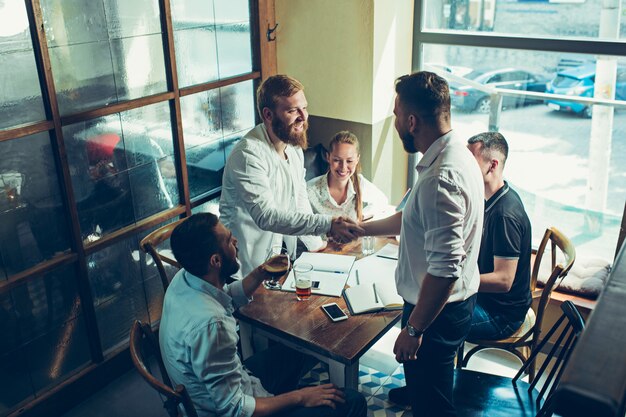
{"x":377,"y":407}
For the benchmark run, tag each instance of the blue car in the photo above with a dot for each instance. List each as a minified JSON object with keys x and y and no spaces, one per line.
{"x":579,"y":81}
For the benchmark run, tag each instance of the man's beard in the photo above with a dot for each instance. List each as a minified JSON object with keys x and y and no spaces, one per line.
{"x":286,"y":134}
{"x":230,"y":266}
{"x":408,"y":143}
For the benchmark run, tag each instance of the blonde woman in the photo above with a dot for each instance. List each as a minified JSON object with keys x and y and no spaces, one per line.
{"x":343,"y":191}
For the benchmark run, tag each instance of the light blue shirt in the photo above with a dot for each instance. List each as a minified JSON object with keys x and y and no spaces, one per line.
{"x":442,"y":222}
{"x":198,"y":340}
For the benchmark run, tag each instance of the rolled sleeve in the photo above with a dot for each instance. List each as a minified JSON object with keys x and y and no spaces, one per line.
{"x":253,"y":186}
{"x":443,"y":218}
{"x":236,"y":292}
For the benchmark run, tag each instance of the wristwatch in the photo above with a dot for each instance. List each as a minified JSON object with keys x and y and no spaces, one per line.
{"x":413,"y":332}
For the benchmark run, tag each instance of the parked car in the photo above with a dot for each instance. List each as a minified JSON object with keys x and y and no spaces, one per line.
{"x":469,"y":98}
{"x":579,"y":81}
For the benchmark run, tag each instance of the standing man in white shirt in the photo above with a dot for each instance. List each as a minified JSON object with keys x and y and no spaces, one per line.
{"x":264,"y":198}
{"x":440,"y":230}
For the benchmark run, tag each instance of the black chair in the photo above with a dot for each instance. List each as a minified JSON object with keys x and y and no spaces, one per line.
{"x":481,"y":394}
{"x":143,"y":345}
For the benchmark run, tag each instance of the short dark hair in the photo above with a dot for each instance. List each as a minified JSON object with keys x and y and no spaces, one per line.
{"x":426,"y":94}
{"x":194,"y":241}
{"x":492,"y":141}
{"x":274,"y":87}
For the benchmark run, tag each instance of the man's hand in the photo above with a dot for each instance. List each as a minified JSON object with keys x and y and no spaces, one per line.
{"x":344,"y":230}
{"x":321,"y":395}
{"x":406,"y":347}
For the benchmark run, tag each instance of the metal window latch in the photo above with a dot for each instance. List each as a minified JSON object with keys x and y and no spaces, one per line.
{"x":270,"y":31}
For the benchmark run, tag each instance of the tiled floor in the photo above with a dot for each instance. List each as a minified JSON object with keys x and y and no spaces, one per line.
{"x":378,"y":373}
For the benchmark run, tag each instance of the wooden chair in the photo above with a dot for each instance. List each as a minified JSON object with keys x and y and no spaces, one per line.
{"x":143,"y":345}
{"x":524,"y":341}
{"x":478,"y":394}
{"x":150,"y":244}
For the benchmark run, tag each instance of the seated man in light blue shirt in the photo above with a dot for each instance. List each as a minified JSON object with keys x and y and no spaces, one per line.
{"x":198,"y":337}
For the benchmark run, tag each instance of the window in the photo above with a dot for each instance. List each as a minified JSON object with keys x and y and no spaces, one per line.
{"x":561,"y":106}
{"x":113,"y":121}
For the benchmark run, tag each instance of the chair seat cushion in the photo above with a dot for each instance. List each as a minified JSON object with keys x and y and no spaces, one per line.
{"x":586,"y":278}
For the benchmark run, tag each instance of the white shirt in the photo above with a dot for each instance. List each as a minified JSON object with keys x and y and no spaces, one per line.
{"x":442,"y":222}
{"x":264,"y":200}
{"x":374,"y":200}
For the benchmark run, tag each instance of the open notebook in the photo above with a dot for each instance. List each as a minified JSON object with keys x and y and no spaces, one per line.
{"x":376,"y":275}
{"x":330,"y":273}
{"x":366,"y":298}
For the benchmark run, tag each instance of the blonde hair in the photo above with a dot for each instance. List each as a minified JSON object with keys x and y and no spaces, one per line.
{"x":350,"y":138}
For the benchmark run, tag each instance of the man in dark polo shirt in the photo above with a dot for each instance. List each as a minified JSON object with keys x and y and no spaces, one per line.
{"x":504,"y":260}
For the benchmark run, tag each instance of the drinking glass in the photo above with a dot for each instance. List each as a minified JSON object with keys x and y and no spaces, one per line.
{"x":302,"y":274}
{"x":276,"y":264}
{"x":367,"y":245}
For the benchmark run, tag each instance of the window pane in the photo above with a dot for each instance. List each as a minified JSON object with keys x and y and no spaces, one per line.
{"x":559,"y":19}
{"x":234,"y":51}
{"x":192,"y":13}
{"x":207,"y":117}
{"x":57,"y":354}
{"x":555,"y":159}
{"x":237,"y":110}
{"x":139,"y":66}
{"x":132,"y":18}
{"x":44,"y":338}
{"x":33,"y":226}
{"x":121,"y":167}
{"x":112,"y":53}
{"x":118,"y":290}
{"x":47,"y":302}
{"x":196,"y":65}
{"x":20,"y":97}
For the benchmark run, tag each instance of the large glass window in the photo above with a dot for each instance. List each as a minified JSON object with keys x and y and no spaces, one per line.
{"x":96,"y":123}
{"x":563,"y":114}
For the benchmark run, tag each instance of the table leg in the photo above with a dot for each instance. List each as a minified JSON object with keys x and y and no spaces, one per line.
{"x":344,"y":375}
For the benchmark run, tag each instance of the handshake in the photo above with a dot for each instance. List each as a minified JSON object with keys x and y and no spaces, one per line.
{"x":344,"y":230}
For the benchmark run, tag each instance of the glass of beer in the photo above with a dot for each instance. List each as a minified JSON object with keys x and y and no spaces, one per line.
{"x":276,"y":264}
{"x":302,"y":272}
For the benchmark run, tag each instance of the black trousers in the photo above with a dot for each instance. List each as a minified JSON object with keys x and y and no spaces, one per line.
{"x":430,"y":378}
{"x":280,"y":368}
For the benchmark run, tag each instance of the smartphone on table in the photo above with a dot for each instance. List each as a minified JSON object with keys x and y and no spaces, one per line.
{"x":335,"y":312}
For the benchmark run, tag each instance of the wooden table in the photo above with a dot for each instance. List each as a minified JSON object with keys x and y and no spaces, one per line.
{"x":302,"y":325}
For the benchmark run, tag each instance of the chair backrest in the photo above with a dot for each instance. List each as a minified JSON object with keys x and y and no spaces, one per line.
{"x":570,"y":326}
{"x":143,"y":345}
{"x":559,"y":271}
{"x":150,"y":244}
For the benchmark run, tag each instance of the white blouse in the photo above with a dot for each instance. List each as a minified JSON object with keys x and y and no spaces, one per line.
{"x":374,"y":201}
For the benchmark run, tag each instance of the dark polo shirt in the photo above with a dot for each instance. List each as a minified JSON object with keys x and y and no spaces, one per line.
{"x":506,"y":234}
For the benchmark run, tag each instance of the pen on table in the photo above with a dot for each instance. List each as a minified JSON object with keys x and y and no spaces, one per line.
{"x":358,"y":282}
{"x":375,"y":295}
{"x":387,"y":257}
